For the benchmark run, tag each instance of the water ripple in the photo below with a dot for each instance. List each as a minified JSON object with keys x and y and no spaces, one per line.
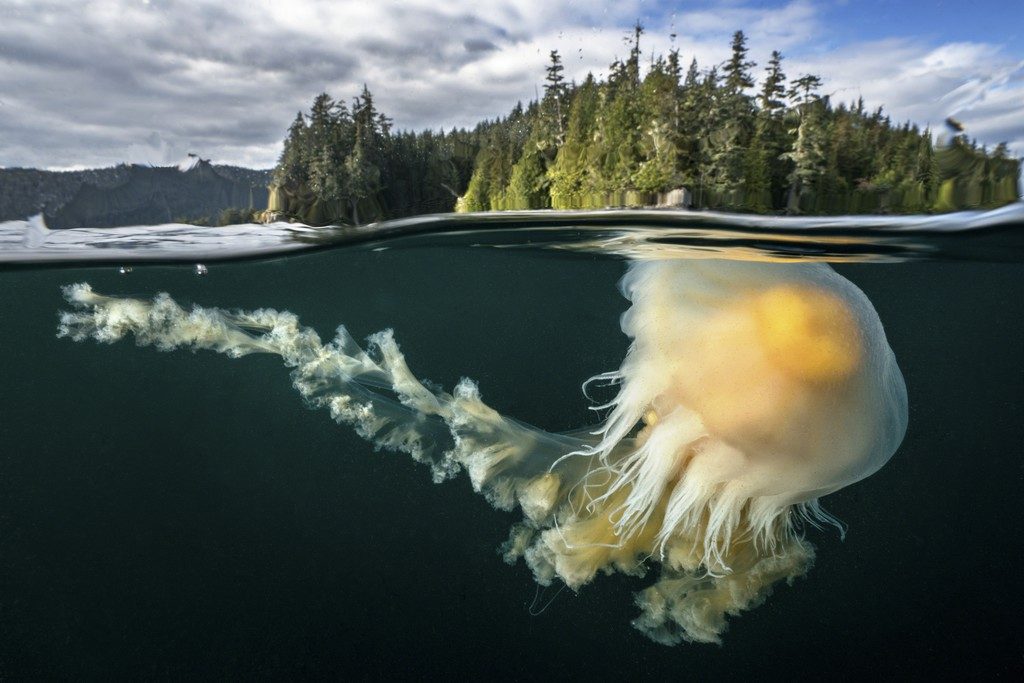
{"x":980,"y":236}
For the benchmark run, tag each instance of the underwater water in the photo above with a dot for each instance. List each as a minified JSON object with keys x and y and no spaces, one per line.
{"x":172,"y":514}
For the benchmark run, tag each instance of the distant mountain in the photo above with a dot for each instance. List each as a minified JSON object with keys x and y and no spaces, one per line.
{"x":194,"y":191}
{"x":26,"y":192}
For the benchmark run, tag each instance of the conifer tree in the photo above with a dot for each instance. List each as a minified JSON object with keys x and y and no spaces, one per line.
{"x":556,"y":95}
{"x":327,"y":135}
{"x":616,"y":151}
{"x":736,"y":71}
{"x":657,"y":149}
{"x":773,"y":90}
{"x":803,"y":90}
{"x":477,"y":195}
{"x":766,"y":168}
{"x":569,"y":175}
{"x":291,"y":170}
{"x":732,"y":128}
{"x":807,"y":155}
{"x":688,"y":130}
{"x":637,"y":134}
{"x":674,"y":69}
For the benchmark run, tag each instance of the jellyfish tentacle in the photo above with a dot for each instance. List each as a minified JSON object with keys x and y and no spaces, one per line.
{"x":609,"y":378}
{"x":688,"y":606}
{"x":373,"y":391}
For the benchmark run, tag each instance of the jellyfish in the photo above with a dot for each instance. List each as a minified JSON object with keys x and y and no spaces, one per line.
{"x":749,"y":391}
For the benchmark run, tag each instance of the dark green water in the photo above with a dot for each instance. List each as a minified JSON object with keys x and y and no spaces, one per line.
{"x":171,"y":515}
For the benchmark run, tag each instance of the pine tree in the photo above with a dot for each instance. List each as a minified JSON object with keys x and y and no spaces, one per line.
{"x":774,"y":87}
{"x":569,"y":176}
{"x":689,"y":106}
{"x":808,"y":157}
{"x":658,"y":151}
{"x":328,"y":133}
{"x":633,"y":63}
{"x":528,"y":182}
{"x":362,"y":165}
{"x":770,"y":171}
{"x":674,"y":69}
{"x":692,"y":75}
{"x":737,"y":70}
{"x":477,"y":195}
{"x":757,"y":177}
{"x":291,"y":168}
{"x":556,"y":95}
{"x":803,"y":90}
{"x":732,"y":128}
{"x":616,"y":152}
{"x":629,"y":138}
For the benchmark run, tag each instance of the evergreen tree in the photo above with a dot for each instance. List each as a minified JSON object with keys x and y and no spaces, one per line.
{"x":657,"y":149}
{"x":616,"y":153}
{"x":477,"y":196}
{"x":556,"y":95}
{"x":692,"y":75}
{"x":757,"y":176}
{"x":807,"y":155}
{"x":737,"y":70}
{"x":329,"y":146}
{"x":362,"y":165}
{"x":774,"y":87}
{"x":528,"y":182}
{"x":732,"y":128}
{"x":569,"y":175}
{"x":630,"y":138}
{"x":803,"y":90}
{"x":291,"y":170}
{"x":689,"y":132}
{"x":633,"y":63}
{"x":674,"y":69}
{"x":767,"y":169}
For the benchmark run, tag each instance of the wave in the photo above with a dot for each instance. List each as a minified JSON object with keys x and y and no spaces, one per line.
{"x":996,"y":235}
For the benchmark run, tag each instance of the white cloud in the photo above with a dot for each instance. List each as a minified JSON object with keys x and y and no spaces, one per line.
{"x":977,"y":83}
{"x":122,"y":80}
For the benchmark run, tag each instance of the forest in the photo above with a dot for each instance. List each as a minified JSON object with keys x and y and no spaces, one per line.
{"x":649,"y":134}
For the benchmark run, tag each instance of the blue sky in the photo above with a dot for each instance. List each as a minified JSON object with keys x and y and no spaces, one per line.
{"x":935,"y":21}
{"x":97,"y":82}
{"x":942,"y":21}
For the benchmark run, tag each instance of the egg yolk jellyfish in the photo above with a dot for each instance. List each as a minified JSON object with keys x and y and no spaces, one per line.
{"x":750,"y":391}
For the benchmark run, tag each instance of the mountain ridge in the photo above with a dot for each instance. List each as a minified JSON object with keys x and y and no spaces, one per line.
{"x":129,"y":194}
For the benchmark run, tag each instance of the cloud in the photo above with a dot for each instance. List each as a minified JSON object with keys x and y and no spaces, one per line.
{"x":478,"y":45}
{"x":978,"y":83}
{"x":130,"y":80}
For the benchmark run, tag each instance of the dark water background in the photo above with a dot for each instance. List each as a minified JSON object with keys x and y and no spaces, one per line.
{"x":172,"y":515}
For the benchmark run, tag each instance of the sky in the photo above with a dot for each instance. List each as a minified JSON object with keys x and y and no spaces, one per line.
{"x":96,"y":83}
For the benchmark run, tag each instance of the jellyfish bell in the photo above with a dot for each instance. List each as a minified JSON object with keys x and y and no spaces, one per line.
{"x":787,"y":368}
{"x":749,"y":391}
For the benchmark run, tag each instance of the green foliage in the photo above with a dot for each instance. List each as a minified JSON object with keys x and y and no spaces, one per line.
{"x":570,"y":174}
{"x":657,"y":149}
{"x":555,"y":106}
{"x":737,"y":69}
{"x":348,"y":166}
{"x":635,"y":137}
{"x":773,"y":89}
{"x":807,"y":154}
{"x":630,"y":140}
